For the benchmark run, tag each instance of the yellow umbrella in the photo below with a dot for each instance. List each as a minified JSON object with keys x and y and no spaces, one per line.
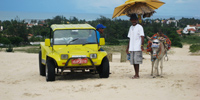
{"x":140,"y":7}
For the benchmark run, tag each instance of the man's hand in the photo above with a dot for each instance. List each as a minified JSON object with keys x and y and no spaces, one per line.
{"x":127,"y":51}
{"x":142,"y":48}
{"x":142,"y":40}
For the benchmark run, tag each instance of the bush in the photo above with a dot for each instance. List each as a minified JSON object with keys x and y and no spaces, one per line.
{"x":10,"y":48}
{"x":112,"y":41}
{"x":15,"y":40}
{"x":179,"y":45}
{"x":194,"y":47}
{"x":124,"y":42}
{"x":4,"y":40}
{"x":190,"y":39}
{"x":36,"y":39}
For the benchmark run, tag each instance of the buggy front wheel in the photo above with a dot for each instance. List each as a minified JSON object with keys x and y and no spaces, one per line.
{"x":50,"y":71}
{"x":104,"y":68}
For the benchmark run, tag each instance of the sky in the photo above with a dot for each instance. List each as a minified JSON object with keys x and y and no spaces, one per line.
{"x":88,"y":9}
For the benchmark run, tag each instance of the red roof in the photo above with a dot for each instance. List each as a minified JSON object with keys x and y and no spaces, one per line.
{"x":30,"y":34}
{"x":198,"y":25}
{"x":41,"y":24}
{"x":29,"y":24}
{"x":192,"y":25}
{"x":191,"y":29}
{"x":179,"y":31}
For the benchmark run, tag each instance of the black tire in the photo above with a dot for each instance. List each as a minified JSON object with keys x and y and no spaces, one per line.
{"x":104,"y":68}
{"x":41,"y":66}
{"x":50,"y":71}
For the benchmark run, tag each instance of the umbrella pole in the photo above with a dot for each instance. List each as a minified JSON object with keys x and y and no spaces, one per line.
{"x":140,"y":19}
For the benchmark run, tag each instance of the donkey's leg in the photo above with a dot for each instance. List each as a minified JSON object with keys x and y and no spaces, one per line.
{"x":152,"y":65}
{"x":156,"y":68}
{"x":161,"y":67}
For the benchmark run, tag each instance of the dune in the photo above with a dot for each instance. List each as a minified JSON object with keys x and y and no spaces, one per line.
{"x":20,"y":80}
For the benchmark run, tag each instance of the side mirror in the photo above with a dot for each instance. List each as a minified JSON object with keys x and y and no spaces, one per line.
{"x":102,"y":41}
{"x":47,"y":42}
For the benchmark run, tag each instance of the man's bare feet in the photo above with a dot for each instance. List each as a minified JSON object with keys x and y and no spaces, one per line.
{"x":135,"y":77}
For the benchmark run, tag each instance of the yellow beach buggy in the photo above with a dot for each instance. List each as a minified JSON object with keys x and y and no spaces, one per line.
{"x":72,"y":48}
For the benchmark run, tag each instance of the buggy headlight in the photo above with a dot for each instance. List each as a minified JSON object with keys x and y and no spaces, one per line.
{"x":93,"y":55}
{"x":64,"y":56}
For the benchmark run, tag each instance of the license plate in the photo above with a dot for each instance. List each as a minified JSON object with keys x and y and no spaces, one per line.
{"x":79,"y":61}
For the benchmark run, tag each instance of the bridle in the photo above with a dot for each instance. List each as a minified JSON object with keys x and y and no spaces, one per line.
{"x":156,"y":45}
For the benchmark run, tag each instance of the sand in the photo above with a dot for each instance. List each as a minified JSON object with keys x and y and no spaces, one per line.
{"x":20,"y":80}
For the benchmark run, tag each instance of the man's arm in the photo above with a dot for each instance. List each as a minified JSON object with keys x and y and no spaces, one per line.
{"x":98,"y":36}
{"x":142,"y":43}
{"x":127,"y":47}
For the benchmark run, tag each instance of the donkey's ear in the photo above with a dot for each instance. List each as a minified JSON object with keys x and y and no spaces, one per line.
{"x":162,"y":39}
{"x":149,"y":38}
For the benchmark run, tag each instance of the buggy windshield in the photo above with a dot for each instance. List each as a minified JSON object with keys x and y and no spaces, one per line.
{"x":67,"y":37}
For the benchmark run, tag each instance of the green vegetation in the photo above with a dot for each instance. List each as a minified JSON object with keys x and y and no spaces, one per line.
{"x":4,"y":40}
{"x":190,"y":39}
{"x":30,"y":49}
{"x":188,"y":21}
{"x":9,"y":48}
{"x":195,"y":48}
{"x":17,"y":32}
{"x":112,"y":41}
{"x":193,"y":40}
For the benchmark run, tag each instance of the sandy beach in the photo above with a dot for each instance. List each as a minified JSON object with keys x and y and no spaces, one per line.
{"x":20,"y":80}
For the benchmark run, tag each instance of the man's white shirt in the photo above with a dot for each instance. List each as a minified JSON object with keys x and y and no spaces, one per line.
{"x":135,"y":33}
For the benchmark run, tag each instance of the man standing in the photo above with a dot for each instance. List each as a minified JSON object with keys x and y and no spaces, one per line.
{"x":135,"y":46}
{"x":100,"y":28}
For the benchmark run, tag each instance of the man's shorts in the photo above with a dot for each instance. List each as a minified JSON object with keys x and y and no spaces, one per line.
{"x":136,"y":57}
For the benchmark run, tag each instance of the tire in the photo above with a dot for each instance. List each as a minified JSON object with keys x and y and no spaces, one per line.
{"x":104,"y":68}
{"x":41,"y":66}
{"x":50,"y":71}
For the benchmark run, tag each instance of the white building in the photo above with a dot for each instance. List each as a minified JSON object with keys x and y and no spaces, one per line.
{"x":189,"y":29}
{"x":1,"y":28}
{"x":172,"y":21}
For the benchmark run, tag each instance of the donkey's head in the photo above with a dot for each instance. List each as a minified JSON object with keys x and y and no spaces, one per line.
{"x":156,"y":46}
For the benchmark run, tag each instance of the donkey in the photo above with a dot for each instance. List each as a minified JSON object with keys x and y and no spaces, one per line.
{"x":157,"y":55}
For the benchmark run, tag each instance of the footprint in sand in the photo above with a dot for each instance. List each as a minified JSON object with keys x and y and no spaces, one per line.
{"x":31,"y":95}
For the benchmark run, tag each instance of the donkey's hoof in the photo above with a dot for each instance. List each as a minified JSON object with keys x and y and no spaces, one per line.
{"x":162,"y":76}
{"x":154,"y":77}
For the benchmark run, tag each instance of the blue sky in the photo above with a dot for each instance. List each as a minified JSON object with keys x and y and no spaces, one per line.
{"x":34,"y":9}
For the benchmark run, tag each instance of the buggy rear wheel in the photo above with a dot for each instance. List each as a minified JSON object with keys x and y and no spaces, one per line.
{"x":41,"y":66}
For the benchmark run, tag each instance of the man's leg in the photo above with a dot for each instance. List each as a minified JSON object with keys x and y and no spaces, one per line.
{"x":136,"y":67}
